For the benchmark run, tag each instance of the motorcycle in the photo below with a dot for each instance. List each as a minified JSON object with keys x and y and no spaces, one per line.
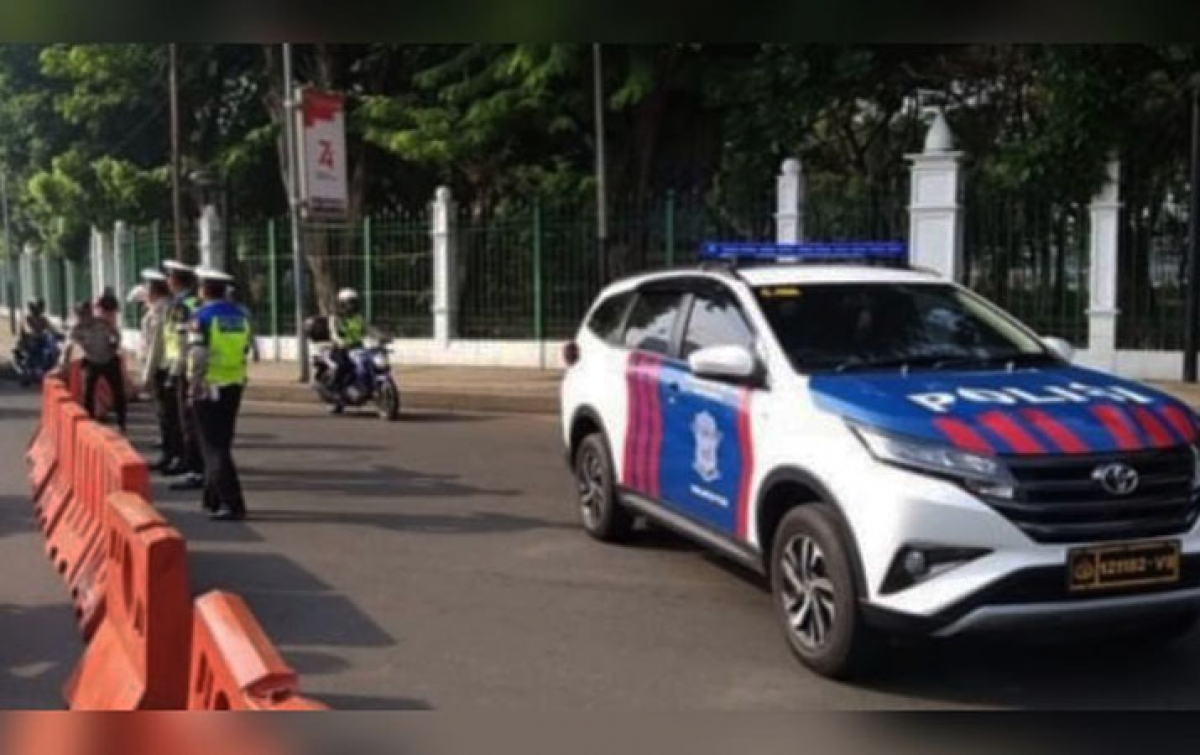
{"x":38,"y":358}
{"x":371,"y":381}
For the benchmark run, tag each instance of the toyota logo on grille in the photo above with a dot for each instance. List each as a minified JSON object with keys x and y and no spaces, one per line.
{"x":1117,"y":479}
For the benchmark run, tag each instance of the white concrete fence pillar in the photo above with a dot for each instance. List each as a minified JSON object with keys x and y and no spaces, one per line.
{"x":212,"y":246}
{"x":789,"y":203}
{"x":935,"y":229}
{"x":28,"y":288}
{"x":445,"y":267}
{"x":120,"y":238}
{"x":96,"y":261}
{"x":1102,"y":311}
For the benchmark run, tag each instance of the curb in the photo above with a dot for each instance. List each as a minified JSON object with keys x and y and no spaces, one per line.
{"x":417,"y":398}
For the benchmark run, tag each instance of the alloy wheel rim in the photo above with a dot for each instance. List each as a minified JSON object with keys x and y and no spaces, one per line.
{"x":808,"y":594}
{"x":590,"y":479}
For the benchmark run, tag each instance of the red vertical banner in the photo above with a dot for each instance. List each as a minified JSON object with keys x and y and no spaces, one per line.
{"x":322,"y":146}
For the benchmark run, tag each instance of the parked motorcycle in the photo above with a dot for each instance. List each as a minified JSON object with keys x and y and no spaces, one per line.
{"x":371,"y":381}
{"x":38,"y":358}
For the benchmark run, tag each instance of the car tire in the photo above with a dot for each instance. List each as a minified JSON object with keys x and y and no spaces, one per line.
{"x":600,"y":509}
{"x":815,"y":597}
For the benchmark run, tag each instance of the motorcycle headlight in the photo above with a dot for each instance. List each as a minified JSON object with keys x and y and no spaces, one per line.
{"x":381,"y":361}
{"x":985,"y":475}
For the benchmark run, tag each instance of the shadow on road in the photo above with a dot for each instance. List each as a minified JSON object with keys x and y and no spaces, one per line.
{"x":293,"y":605}
{"x":375,"y":480}
{"x":472,"y":523}
{"x":32,"y":643}
{"x":16,"y":515}
{"x":373,"y":702}
{"x":1087,"y":673}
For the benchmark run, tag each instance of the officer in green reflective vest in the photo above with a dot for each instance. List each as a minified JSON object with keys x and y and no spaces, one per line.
{"x":219,"y":340}
{"x":186,"y":458}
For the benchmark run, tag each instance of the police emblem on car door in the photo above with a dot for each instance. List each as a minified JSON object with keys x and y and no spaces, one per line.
{"x":708,"y":441}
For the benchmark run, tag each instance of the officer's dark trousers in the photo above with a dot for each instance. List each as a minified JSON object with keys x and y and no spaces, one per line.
{"x":110,"y":372}
{"x":217,"y":421}
{"x":189,"y":434}
{"x":167,"y":410}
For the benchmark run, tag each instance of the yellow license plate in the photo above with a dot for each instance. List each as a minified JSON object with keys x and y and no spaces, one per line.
{"x":1104,"y":567}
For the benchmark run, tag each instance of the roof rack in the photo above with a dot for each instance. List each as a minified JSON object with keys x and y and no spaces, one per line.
{"x":732,"y":254}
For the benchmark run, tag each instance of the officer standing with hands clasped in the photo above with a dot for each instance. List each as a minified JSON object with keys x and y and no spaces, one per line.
{"x":189,"y":461}
{"x":219,"y":340}
{"x":154,"y":374}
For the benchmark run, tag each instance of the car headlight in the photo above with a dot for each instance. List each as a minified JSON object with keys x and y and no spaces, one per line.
{"x":985,"y":475}
{"x":1195,"y":468}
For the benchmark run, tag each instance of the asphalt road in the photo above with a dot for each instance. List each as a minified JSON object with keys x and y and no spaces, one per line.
{"x":436,"y":563}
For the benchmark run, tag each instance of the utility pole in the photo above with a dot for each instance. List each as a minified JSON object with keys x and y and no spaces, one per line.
{"x":1191,"y":326}
{"x":293,"y":186}
{"x":601,"y":191}
{"x":176,"y":200}
{"x":10,"y":259}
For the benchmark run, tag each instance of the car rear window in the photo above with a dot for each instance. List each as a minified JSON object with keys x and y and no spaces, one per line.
{"x":607,"y":319}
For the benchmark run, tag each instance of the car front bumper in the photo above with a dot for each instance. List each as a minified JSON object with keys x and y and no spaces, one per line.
{"x":1016,"y":584}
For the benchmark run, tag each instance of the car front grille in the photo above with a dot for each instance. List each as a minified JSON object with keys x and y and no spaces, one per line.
{"x":1057,"y":501}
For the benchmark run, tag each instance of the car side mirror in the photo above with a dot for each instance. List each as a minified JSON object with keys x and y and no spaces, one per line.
{"x":731,"y":364}
{"x":1060,"y":348}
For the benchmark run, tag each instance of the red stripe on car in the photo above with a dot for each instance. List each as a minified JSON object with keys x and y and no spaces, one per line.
{"x":633,"y":424}
{"x":654,"y":409}
{"x":961,"y":435}
{"x":746,"y":446}
{"x":1180,"y":422}
{"x":1158,"y":434}
{"x":1067,"y":441}
{"x":1119,"y":426}
{"x":1018,"y":438}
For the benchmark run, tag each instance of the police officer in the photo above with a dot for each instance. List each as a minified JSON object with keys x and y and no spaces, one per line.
{"x":153,"y":376}
{"x":347,"y":331}
{"x":189,"y":461}
{"x":219,"y":340}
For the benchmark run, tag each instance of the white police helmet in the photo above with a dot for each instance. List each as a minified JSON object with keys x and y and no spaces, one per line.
{"x":347,"y":295}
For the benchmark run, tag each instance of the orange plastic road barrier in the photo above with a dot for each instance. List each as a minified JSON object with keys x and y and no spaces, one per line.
{"x":234,"y":665}
{"x":104,"y":463}
{"x":59,"y":493}
{"x":120,"y":468}
{"x":138,"y":658}
{"x":43,"y":449}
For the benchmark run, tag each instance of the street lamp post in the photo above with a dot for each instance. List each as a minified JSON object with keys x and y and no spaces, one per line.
{"x":1191,"y":326}
{"x":601,"y":191}
{"x":293,"y":174}
{"x":10,"y":259}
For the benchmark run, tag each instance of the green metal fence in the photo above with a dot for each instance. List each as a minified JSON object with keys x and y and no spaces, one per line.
{"x":1152,"y":270}
{"x":530,"y":269}
{"x":1029,"y":254}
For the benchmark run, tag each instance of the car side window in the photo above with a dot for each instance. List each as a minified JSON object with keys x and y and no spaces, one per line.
{"x":652,"y":321}
{"x":716,"y":321}
{"x":608,"y":318}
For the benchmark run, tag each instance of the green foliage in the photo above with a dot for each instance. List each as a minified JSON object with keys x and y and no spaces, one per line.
{"x":84,"y":133}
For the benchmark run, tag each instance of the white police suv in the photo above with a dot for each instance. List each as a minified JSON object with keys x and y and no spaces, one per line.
{"x":893,"y":451}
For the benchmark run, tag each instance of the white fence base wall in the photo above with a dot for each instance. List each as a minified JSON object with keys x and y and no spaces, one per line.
{"x":427,"y":351}
{"x":1136,"y":365}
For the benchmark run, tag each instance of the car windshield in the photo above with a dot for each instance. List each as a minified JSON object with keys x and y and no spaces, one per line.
{"x":844,"y":327}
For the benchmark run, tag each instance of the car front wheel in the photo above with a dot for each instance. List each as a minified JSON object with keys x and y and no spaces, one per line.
{"x":601,"y":512}
{"x":815,"y":596}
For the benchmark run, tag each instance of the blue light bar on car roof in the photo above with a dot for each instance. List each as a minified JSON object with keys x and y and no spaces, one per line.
{"x":831,"y":251}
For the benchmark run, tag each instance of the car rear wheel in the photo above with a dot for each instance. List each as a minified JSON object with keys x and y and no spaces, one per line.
{"x":602,"y":514}
{"x":815,"y":596}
